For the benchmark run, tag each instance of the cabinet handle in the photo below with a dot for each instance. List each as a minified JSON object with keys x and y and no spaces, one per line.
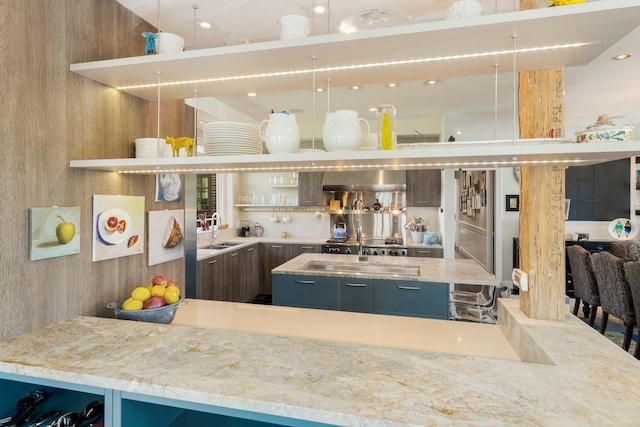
{"x":306,"y":282}
{"x":356,"y":285}
{"x":306,"y":247}
{"x":409,"y":288}
{"x":212,"y":262}
{"x":423,"y":252}
{"x":276,"y":246}
{"x":234,"y":254}
{"x":249,"y":249}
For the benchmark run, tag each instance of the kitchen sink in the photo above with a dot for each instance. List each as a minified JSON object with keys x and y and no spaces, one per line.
{"x":224,"y":245}
{"x":384,"y":269}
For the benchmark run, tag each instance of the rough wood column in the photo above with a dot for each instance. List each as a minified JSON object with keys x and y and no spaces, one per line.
{"x":542,"y":194}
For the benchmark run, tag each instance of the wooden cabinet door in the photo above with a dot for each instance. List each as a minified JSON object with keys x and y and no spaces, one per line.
{"x":426,"y":252}
{"x":203,"y":289}
{"x":299,"y":249}
{"x":424,"y":187}
{"x":252,"y":263}
{"x":310,"y":189}
{"x":272,"y":255}
{"x":236,"y":276}
{"x":212,"y":279}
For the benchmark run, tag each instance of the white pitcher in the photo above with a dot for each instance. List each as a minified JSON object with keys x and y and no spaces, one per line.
{"x":282,"y":134}
{"x":343,"y":131}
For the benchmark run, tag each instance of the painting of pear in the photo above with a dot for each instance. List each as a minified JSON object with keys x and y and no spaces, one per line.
{"x":65,"y":231}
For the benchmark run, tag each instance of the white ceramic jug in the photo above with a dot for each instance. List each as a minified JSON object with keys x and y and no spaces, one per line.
{"x":293,"y":27}
{"x":343,"y":131}
{"x":281,"y":134}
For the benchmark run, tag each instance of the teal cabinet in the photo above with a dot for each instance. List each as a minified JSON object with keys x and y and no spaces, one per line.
{"x":60,"y":396}
{"x":356,"y":295}
{"x":380,"y":296}
{"x":407,"y":298}
{"x":306,"y":291}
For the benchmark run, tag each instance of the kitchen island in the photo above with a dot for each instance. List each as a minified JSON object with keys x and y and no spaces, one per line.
{"x":169,"y":375}
{"x":403,"y":286}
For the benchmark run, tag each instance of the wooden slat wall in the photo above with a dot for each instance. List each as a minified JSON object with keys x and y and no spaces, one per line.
{"x":50,"y":116}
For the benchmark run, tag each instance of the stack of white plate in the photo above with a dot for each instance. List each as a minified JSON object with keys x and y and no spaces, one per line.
{"x":229,"y":138}
{"x":148,"y":147}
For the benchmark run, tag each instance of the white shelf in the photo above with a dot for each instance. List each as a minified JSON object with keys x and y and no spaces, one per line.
{"x":444,"y":155}
{"x":601,"y":23}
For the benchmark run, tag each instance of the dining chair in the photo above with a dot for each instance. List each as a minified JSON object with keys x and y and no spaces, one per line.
{"x":615,"y":294}
{"x":584,"y":280}
{"x":632,"y":273}
{"x":628,"y":250}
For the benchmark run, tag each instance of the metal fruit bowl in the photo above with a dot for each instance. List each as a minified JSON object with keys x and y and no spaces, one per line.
{"x":153,"y":315}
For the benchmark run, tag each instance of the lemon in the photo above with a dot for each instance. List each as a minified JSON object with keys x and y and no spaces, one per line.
{"x":158,"y":291}
{"x":141,"y":293}
{"x":132,"y":304}
{"x":150,"y":286}
{"x":171,"y":297}
{"x":174,"y":289}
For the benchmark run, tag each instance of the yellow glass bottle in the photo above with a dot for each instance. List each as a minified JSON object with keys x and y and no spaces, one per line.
{"x":386,"y":117}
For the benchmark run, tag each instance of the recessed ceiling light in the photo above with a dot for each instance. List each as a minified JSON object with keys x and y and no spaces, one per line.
{"x":319,"y":89}
{"x":430,"y":82}
{"x":355,"y":87}
{"x":392,"y":84}
{"x":459,"y":132}
{"x":205,"y":25}
{"x":252,"y":94}
{"x":319,"y":10}
{"x":621,"y":57}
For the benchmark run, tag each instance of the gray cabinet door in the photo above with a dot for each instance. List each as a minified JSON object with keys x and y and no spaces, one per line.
{"x":356,"y":295}
{"x":305,"y":291}
{"x":426,"y":252}
{"x":310,"y":189}
{"x":271,"y":256}
{"x":213,"y":279}
{"x":417,"y":299}
{"x":423,"y":187}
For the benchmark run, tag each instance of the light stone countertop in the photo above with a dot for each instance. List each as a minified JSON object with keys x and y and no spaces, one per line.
{"x":573,"y":377}
{"x":242,"y":242}
{"x":444,"y":270}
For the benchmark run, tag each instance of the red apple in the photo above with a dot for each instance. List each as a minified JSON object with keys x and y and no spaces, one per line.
{"x":171,"y":283}
{"x":159,"y":280}
{"x":155,"y":302}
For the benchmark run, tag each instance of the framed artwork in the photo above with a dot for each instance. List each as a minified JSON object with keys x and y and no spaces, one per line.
{"x":513,"y":202}
{"x":168,"y":187}
{"x":165,"y":233}
{"x":54,"y":232}
{"x":118,"y":226}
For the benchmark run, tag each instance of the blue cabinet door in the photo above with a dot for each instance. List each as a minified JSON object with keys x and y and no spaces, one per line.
{"x":406,"y":298}
{"x":305,"y":291}
{"x":356,"y":295}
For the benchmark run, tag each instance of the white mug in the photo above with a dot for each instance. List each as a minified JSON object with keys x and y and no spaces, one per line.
{"x":286,"y":218}
{"x":293,"y":27}
{"x":274,"y":218}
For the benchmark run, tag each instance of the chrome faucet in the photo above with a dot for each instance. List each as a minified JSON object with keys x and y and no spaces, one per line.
{"x":215,"y":218}
{"x":361,"y":256}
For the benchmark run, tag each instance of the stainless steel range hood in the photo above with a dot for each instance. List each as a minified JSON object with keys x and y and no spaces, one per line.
{"x":381,"y":180}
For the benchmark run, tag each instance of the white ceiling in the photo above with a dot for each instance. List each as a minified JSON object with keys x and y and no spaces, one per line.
{"x":602,"y":87}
